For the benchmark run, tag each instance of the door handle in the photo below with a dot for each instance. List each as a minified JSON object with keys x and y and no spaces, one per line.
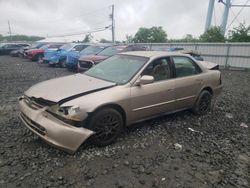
{"x":170,"y":89}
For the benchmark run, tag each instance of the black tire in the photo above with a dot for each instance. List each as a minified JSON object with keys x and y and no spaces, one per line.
{"x":107,"y":124}
{"x":203,"y":103}
{"x":52,"y":65}
{"x":20,"y":55}
{"x":38,"y":57}
{"x":62,"y":63}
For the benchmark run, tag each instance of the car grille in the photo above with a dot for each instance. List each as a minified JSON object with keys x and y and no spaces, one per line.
{"x":33,"y":125}
{"x":36,"y":103}
{"x":85,"y":64}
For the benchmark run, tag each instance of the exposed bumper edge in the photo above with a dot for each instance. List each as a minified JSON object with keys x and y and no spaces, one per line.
{"x":52,"y":130}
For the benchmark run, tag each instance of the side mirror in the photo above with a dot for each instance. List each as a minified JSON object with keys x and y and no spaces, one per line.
{"x":146,"y":79}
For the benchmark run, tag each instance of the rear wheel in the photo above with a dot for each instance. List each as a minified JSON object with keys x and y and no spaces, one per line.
{"x":203,"y":103}
{"x":20,"y":55}
{"x":39,"y":58}
{"x":52,"y":65}
{"x":107,"y":124}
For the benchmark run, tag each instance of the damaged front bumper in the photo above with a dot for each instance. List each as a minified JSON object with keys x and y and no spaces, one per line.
{"x":51,"y":129}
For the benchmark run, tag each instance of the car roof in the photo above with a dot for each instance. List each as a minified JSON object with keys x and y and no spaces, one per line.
{"x":150,"y":54}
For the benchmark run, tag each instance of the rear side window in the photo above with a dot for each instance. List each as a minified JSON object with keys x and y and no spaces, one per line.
{"x":184,"y":66}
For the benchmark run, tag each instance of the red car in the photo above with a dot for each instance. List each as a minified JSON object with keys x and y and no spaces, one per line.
{"x":86,"y":62}
{"x":37,"y":54}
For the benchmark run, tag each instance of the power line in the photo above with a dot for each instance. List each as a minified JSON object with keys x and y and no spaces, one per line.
{"x":234,"y":15}
{"x":102,"y":28}
{"x":80,"y":32}
{"x":237,"y":14}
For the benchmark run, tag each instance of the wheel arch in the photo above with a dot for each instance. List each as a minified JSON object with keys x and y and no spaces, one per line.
{"x":38,"y":54}
{"x":114,"y":106}
{"x":209,"y":89}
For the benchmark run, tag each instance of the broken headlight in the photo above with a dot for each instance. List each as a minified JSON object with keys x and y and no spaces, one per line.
{"x":68,"y":112}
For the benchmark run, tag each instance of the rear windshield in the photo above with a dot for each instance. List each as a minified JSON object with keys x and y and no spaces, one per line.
{"x":67,"y":47}
{"x":92,"y":50}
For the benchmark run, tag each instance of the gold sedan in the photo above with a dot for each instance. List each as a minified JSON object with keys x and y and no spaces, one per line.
{"x":124,"y":89}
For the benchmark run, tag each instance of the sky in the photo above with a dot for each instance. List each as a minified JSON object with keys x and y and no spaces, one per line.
{"x":53,"y":18}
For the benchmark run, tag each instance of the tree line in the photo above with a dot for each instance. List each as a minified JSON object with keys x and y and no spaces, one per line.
{"x":20,"y":38}
{"x":214,"y":34}
{"x":158,"y":35}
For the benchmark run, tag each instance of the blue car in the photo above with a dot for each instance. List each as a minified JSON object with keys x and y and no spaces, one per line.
{"x":58,"y":57}
{"x":48,"y":54}
{"x":73,"y":56}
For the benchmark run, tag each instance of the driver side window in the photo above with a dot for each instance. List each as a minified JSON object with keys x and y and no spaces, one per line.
{"x":159,"y":69}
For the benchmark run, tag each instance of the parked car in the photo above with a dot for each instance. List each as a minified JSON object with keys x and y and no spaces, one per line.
{"x":195,"y":54}
{"x":36,"y":45}
{"x":86,"y":62}
{"x":7,"y":48}
{"x":166,"y":49}
{"x":18,"y":52}
{"x":73,"y":56}
{"x":123,"y":89}
{"x":37,"y":54}
{"x":59,"y":56}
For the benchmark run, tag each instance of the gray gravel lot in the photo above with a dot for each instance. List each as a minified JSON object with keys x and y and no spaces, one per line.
{"x":215,"y":152}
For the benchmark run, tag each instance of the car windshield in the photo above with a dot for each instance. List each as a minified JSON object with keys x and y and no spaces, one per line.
{"x":92,"y":50}
{"x":112,"y":50}
{"x":67,"y":47}
{"x":44,"y":47}
{"x":119,"y":68}
{"x":37,"y":45}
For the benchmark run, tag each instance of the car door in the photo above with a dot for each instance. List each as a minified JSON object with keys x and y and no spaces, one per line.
{"x":188,"y":81}
{"x":11,"y":47}
{"x":157,"y":97}
{"x":6,"y":49}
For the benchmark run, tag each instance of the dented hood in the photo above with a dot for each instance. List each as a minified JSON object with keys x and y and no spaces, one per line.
{"x":67,"y":88}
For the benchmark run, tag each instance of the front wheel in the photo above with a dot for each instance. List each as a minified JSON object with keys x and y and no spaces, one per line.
{"x":203,"y":103}
{"x":107,"y":124}
{"x":39,"y":58}
{"x":62,"y":63}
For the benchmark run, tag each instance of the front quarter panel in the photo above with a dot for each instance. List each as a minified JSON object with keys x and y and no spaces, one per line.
{"x":118,"y":95}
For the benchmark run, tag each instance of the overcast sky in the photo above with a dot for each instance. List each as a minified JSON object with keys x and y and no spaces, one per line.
{"x":59,"y":17}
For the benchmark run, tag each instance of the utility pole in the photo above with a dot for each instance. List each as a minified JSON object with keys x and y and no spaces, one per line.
{"x":113,"y":24}
{"x":225,"y":16}
{"x":10,"y":30}
{"x":209,"y":15}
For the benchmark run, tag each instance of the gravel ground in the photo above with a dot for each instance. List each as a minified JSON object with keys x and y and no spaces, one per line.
{"x":162,"y":152}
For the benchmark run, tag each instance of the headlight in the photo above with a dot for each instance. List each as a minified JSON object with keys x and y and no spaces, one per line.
{"x":71,"y":110}
{"x":68,"y":112}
